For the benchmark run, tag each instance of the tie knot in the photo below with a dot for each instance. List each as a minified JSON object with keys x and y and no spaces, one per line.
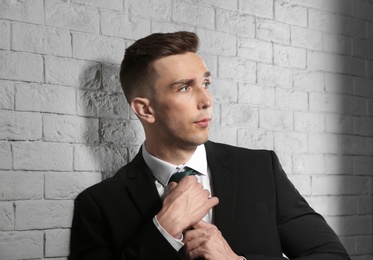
{"x":176,"y":177}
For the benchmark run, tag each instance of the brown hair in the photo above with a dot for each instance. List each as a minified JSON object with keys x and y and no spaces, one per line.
{"x":137,"y":73}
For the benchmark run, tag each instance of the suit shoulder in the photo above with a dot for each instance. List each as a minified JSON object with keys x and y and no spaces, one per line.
{"x":230,"y":149}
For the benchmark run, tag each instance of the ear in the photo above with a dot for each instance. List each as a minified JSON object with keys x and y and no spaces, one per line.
{"x":141,"y":107}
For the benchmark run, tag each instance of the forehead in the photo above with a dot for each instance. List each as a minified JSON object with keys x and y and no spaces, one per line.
{"x":174,"y":67}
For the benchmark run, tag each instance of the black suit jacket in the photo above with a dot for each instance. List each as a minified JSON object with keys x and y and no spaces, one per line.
{"x":260,"y":213}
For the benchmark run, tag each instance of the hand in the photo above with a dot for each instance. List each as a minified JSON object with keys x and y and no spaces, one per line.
{"x":185,"y":204}
{"x":206,"y":241}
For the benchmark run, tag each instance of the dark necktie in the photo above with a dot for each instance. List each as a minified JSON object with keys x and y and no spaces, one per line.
{"x":176,"y":177}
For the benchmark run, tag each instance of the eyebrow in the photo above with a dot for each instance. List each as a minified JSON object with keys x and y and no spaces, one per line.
{"x":207,"y":74}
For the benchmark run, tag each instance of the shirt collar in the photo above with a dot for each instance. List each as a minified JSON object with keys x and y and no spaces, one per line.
{"x":162,"y":170}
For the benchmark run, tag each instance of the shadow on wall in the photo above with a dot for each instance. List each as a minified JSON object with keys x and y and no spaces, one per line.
{"x":113,"y":134}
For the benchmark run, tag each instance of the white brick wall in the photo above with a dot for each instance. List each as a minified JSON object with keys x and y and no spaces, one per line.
{"x":295,"y":76}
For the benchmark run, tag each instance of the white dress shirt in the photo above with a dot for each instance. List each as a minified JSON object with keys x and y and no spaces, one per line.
{"x":162,"y":172}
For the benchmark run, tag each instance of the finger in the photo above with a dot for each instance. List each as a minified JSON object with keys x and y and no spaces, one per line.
{"x":172,"y":185}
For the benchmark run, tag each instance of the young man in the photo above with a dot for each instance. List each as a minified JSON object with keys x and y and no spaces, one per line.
{"x":237,"y":204}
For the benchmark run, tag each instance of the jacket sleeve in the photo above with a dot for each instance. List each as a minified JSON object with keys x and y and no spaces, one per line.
{"x":91,"y":239}
{"x":304,"y":234}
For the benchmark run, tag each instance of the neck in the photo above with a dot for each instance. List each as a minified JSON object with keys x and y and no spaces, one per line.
{"x":170,"y":153}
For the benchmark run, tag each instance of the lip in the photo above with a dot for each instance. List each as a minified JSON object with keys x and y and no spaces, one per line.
{"x":204,"y":122}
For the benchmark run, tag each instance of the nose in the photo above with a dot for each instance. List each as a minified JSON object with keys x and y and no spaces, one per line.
{"x":204,"y":98}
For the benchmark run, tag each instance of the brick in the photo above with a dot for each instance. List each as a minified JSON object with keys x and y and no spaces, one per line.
{"x":57,"y":242}
{"x":255,"y":138}
{"x":302,"y":183}
{"x":275,"y":119}
{"x":363,"y":87}
{"x":237,"y":69}
{"x":25,"y":11}
{"x":363,"y":48}
{"x":42,"y":156}
{"x":350,"y":225}
{"x":239,"y":115}
{"x":5,"y":32}
{"x":369,"y":69}
{"x":291,"y":99}
{"x":289,"y":56}
{"x":41,"y":40}
{"x":102,"y":104}
{"x":308,"y":3}
{"x":124,"y":26}
{"x":337,"y":43}
{"x":337,"y":7}
{"x":363,"y":126}
{"x":308,"y":80}
{"x":326,"y":102}
{"x":21,"y":66}
{"x":365,"y":205}
{"x":21,"y":185}
{"x":6,"y":216}
{"x":339,"y":164}
{"x":119,"y":131}
{"x":218,"y":43}
{"x":289,"y":141}
{"x":154,"y":9}
{"x":271,"y":30}
{"x":257,"y":8}
{"x":108,"y":4}
{"x":369,"y":27}
{"x":334,"y":205}
{"x":43,"y":214}
{"x":216,"y":119}
{"x":70,"y":129}
{"x":256,"y":95}
{"x":339,"y":185}
{"x":337,"y":83}
{"x":20,"y":126}
{"x":110,"y":78}
{"x":306,"y":38}
{"x":190,"y":13}
{"x":225,"y":134}
{"x":5,"y":155}
{"x":21,"y":245}
{"x":99,"y":48}
{"x":6,"y":95}
{"x":67,"y":185}
{"x":45,"y":98}
{"x":164,"y":27}
{"x":364,"y":244}
{"x":69,"y":16}
{"x":345,"y":144}
{"x":274,"y":75}
{"x":71,"y":72}
{"x":255,"y":50}
{"x":225,"y":91}
{"x":334,"y":23}
{"x":363,"y":10}
{"x":289,"y":13}
{"x":308,"y":164}
{"x":240,"y":23}
{"x":309,"y":122}
{"x":363,"y":165}
{"x":232,"y":5}
{"x":99,"y":158}
{"x":339,"y":124}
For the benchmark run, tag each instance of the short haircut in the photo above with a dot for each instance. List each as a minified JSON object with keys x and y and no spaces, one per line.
{"x":137,"y":73}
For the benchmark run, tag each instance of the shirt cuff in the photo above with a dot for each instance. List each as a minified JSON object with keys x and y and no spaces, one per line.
{"x":177,"y":244}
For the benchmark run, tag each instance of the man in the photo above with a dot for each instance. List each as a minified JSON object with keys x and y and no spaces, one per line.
{"x":237,"y":204}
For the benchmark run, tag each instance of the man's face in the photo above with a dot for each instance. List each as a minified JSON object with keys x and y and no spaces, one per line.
{"x":182,"y":101}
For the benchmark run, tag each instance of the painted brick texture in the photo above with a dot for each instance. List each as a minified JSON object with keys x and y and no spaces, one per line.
{"x":294,"y":76}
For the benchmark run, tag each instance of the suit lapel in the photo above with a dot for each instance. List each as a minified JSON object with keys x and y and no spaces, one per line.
{"x":141,"y":187}
{"x":223,"y":182}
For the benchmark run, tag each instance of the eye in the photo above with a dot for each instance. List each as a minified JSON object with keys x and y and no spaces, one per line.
{"x":184,"y":88}
{"x":206,"y":84}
